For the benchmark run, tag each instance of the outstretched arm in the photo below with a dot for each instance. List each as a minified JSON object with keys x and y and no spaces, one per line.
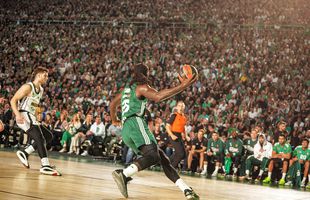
{"x":157,"y":96}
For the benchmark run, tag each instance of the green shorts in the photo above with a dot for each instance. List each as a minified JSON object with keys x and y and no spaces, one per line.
{"x":136,"y":133}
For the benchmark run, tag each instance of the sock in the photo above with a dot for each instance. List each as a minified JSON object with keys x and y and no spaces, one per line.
{"x":205,"y":167}
{"x":182,"y":185}
{"x":269,"y":174}
{"x":130,"y":170}
{"x":235,"y":170}
{"x":261,"y":172}
{"x":45,"y":162}
{"x":283,"y":175}
{"x":247,"y":172}
{"x":216,"y":169}
{"x":29,"y":149}
{"x":304,"y":180}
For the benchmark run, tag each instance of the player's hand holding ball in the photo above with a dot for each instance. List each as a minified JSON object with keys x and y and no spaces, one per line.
{"x":188,"y":73}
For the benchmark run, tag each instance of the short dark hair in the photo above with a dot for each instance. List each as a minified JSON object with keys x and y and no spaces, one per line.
{"x":39,"y":70}
{"x":281,"y":135}
{"x":140,"y":74}
{"x":305,"y":139}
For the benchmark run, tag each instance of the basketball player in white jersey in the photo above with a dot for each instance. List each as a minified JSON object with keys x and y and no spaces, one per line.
{"x":24,"y":103}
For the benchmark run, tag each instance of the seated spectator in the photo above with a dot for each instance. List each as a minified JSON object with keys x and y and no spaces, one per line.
{"x":96,"y":134}
{"x":262,"y":154}
{"x":59,"y":128}
{"x":215,"y":153}
{"x":199,"y":146}
{"x":281,"y":155}
{"x":80,"y":137}
{"x":73,"y":126}
{"x":233,"y":153}
{"x":299,"y":162}
{"x":162,"y":139}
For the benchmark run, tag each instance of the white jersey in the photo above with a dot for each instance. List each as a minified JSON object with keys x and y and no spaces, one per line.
{"x":30,"y":103}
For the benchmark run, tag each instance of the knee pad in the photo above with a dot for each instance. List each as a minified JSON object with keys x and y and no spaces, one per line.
{"x":150,"y":156}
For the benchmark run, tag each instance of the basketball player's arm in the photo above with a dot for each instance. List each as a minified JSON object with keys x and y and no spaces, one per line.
{"x":275,"y":155}
{"x":22,"y":92}
{"x":113,"y":106}
{"x":157,"y":96}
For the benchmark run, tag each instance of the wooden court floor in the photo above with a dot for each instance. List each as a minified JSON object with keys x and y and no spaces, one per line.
{"x":89,"y":180}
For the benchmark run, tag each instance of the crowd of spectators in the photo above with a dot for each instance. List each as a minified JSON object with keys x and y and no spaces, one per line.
{"x":248,"y":77}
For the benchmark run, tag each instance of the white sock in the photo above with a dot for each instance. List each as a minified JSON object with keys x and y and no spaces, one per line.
{"x":269,"y":174}
{"x":29,"y":149}
{"x":247,"y":172}
{"x":205,"y":167}
{"x":130,"y":170}
{"x":283,"y":175}
{"x":45,"y":162}
{"x":235,"y":169}
{"x":261,"y":172}
{"x":216,"y":169}
{"x":309,"y":179}
{"x":304,"y":180}
{"x":182,"y":185}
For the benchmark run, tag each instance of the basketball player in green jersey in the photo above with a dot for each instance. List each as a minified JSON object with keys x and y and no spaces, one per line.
{"x":136,"y":133}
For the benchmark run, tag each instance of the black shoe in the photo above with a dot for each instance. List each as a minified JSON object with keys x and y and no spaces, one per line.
{"x":190,"y":194}
{"x":121,"y":181}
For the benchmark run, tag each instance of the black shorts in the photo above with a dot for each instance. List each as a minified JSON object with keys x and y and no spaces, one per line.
{"x":214,"y":158}
{"x":279,"y":161}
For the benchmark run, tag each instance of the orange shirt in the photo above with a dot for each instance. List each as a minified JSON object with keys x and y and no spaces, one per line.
{"x":177,"y":122}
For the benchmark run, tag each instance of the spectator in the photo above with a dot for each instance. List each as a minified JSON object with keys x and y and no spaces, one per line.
{"x":198,"y":149}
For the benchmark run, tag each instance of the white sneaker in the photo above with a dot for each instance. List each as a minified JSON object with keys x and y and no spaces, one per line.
{"x":204,"y":172}
{"x":48,"y":170}
{"x":303,"y":184}
{"x":70,"y":152}
{"x":23,"y":157}
{"x":84,"y":153}
{"x":214,"y":174}
{"x":288,"y":183}
{"x":63,"y":150}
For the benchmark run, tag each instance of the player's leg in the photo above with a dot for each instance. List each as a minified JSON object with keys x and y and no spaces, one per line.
{"x":306,"y":170}
{"x":172,"y":174}
{"x":284,"y":170}
{"x":24,"y":154}
{"x":201,"y":161}
{"x":270,"y":169}
{"x":36,"y":134}
{"x":263,"y":165}
{"x":190,"y":159}
{"x":179,"y":152}
{"x":248,"y":166}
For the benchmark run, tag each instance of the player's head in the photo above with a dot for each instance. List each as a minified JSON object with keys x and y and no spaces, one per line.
{"x":180,"y":107}
{"x":282,"y":139}
{"x":215,"y":136}
{"x":40,"y":74}
{"x":305,"y":143}
{"x":98,"y":119}
{"x":282,"y":126}
{"x":254,"y":134}
{"x":200,"y":134}
{"x":140,"y":74}
{"x":261,"y":138}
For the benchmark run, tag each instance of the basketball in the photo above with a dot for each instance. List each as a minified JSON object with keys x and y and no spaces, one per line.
{"x":187,"y":72}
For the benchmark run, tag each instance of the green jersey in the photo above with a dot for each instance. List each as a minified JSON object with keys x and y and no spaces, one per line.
{"x":286,"y":148}
{"x":216,"y":147}
{"x":131,"y":105}
{"x":301,"y":154}
{"x":234,"y":146}
{"x":249,"y":144}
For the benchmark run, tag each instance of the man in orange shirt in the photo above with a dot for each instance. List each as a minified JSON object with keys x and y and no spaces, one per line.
{"x":176,"y":128}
